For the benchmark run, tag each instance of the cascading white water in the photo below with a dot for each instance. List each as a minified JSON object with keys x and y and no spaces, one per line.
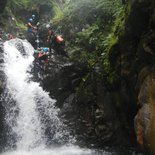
{"x":26,"y":125}
{"x":30,"y":108}
{"x":31,"y":115}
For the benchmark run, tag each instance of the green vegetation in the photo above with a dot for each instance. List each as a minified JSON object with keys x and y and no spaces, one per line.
{"x":91,"y":28}
{"x":21,"y":10}
{"x":17,"y":4}
{"x":96,"y":25}
{"x":58,"y":14}
{"x":21,"y":25}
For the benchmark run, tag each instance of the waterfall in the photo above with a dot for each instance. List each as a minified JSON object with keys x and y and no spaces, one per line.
{"x":31,"y":114}
{"x":22,"y":116}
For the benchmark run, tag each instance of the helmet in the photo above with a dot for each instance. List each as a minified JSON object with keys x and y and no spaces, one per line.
{"x":45,"y":49}
{"x":30,"y":20}
{"x":33,"y":16}
{"x":48,"y":26}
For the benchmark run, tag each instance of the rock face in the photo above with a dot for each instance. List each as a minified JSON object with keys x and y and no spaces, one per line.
{"x":90,"y":114}
{"x":2,"y":110}
{"x":104,"y":115}
{"x":133,"y":59}
{"x":145,"y":118}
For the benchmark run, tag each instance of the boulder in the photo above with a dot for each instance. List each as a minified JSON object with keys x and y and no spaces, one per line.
{"x":145,"y":118}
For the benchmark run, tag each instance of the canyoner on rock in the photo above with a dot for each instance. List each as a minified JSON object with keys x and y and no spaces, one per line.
{"x":43,"y":35}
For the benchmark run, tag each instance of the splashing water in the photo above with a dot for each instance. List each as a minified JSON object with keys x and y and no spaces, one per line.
{"x":31,"y":116}
{"x":29,"y":108}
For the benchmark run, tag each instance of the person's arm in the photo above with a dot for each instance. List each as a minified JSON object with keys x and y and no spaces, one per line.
{"x":48,"y":38}
{"x":49,"y":35}
{"x":29,"y":24}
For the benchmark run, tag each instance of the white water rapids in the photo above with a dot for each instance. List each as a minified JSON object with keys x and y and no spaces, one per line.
{"x":31,"y":115}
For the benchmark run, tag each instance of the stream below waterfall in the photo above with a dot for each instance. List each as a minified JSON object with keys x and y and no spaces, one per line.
{"x":32,"y":122}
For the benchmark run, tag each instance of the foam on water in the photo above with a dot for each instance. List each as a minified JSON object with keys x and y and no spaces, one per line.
{"x":70,"y":150}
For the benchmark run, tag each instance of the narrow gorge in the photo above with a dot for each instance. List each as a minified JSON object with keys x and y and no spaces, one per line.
{"x":99,"y":99}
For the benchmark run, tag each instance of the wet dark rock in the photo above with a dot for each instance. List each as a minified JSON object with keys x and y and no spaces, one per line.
{"x":144,"y":120}
{"x":18,"y":44}
{"x":2,"y":6}
{"x":2,"y":110}
{"x":133,"y":59}
{"x":62,"y":77}
{"x":92,"y":118}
